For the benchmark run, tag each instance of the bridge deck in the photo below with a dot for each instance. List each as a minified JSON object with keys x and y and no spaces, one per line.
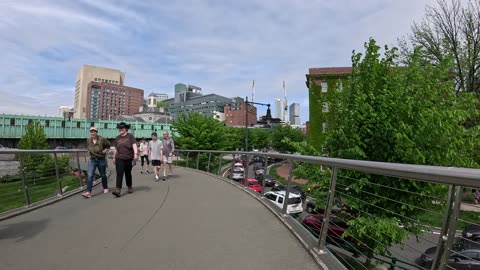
{"x":193,"y":221}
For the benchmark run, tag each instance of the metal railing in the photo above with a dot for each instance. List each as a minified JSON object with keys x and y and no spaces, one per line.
{"x":441,"y":218}
{"x":29,"y":178}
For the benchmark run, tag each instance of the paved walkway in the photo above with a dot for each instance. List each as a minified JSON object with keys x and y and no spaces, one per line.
{"x":283,"y":172}
{"x":193,"y":221}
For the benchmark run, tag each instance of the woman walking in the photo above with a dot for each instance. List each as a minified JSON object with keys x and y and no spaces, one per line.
{"x":125,"y":154}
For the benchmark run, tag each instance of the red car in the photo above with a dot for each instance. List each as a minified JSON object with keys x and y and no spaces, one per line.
{"x":252,"y":184}
{"x":338,"y":225}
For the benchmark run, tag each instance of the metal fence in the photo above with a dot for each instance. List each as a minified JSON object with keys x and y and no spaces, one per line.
{"x":446,"y":219}
{"x":29,"y":178}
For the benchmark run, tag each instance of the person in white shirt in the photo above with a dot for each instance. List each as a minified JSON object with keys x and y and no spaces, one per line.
{"x":144,"y":153}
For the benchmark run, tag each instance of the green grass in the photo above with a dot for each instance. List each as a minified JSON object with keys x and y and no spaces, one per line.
{"x":14,"y":197}
{"x":273,"y":172}
{"x":437,"y":219}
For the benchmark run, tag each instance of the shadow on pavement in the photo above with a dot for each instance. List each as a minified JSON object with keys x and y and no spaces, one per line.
{"x":22,"y":231}
{"x":141,"y":188}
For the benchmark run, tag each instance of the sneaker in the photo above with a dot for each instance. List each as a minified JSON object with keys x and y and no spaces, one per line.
{"x":130,"y":190}
{"x":156,"y":178}
{"x":169,"y":176}
{"x":87,"y":194}
{"x":105,"y":190}
{"x":141,"y":171}
{"x":117,"y":193}
{"x":147,"y":172}
{"x":164,"y":178}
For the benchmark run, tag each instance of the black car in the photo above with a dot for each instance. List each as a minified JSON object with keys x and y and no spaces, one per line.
{"x":465,"y":255}
{"x":293,"y":188}
{"x":472,"y":232}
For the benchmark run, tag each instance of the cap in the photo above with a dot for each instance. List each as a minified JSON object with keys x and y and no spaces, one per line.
{"x":94,"y":129}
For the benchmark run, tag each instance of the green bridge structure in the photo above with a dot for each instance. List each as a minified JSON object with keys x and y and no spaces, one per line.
{"x":70,"y":132}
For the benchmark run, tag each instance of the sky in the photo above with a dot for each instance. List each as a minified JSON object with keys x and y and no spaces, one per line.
{"x":218,"y":45}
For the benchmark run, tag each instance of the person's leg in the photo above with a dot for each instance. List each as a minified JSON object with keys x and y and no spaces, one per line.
{"x":91,"y":171}
{"x":170,"y":165}
{"x":102,"y":169}
{"x":148,"y":163}
{"x":120,"y":168}
{"x":128,"y":174}
{"x":142,"y":158}
{"x":164,"y":168}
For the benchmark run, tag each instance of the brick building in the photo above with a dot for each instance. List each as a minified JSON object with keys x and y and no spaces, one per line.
{"x":235,"y":115}
{"x":107,"y":100}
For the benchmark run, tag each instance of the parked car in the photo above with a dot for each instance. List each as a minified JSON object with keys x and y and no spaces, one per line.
{"x":269,"y":180}
{"x":238,"y":166}
{"x":312,"y":207}
{"x":472,"y":232}
{"x":465,"y":255}
{"x":294,"y":204}
{"x":293,"y":189}
{"x":252,"y":184}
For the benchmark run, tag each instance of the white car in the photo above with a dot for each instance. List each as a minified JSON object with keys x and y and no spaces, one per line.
{"x":237,"y":174}
{"x":294,"y":205}
{"x":238,"y":166}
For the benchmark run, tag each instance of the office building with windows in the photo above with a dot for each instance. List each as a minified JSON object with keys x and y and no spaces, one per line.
{"x":322,"y":83}
{"x":281,"y":109}
{"x":107,"y":100}
{"x":87,"y":74}
{"x":295,"y":114}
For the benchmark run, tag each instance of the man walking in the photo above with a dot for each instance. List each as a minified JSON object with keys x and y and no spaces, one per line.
{"x":155,"y":153}
{"x":167,"y":152}
{"x":97,"y":148}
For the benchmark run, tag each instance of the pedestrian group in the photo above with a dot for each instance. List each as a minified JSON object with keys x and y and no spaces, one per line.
{"x":125,"y":155}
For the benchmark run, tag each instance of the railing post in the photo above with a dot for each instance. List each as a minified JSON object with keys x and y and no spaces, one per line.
{"x":322,"y":238}
{"x":287,"y":191}
{"x":448,"y":231}
{"x":24,"y":181}
{"x":60,"y":190}
{"x":186,"y":162}
{"x":264,"y":173}
{"x":219,"y":164}
{"x":198,"y":159}
{"x":208,"y":165}
{"x":245,"y":174}
{"x":79,"y":169}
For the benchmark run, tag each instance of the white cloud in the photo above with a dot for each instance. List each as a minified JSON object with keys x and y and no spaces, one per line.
{"x":220,"y":46}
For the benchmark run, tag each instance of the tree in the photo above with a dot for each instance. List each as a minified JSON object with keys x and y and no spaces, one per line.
{"x":402,"y":114}
{"x":200,"y":132}
{"x":281,"y":132}
{"x":35,"y":138}
{"x":259,"y":138}
{"x":453,"y":30}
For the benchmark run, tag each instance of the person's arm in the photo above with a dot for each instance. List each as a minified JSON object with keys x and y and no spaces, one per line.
{"x":173,"y":148}
{"x":135,"y":148}
{"x":106,"y":146}
{"x":161,"y":151}
{"x":114,"y":151}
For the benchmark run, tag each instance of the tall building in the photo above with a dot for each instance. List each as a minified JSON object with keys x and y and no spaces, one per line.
{"x":107,"y":100}
{"x":65,"y":111}
{"x":87,"y":74}
{"x":281,"y":108}
{"x":153,"y":98}
{"x":295,"y":114}
{"x":235,"y":114}
{"x":189,"y":98}
{"x":321,"y":83}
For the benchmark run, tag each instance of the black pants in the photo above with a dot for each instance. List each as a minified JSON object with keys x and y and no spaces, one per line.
{"x":124,"y":166}
{"x":143,"y":158}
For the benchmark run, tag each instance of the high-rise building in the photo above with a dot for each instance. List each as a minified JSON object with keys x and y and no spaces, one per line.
{"x":87,"y":74}
{"x":107,"y":101}
{"x":295,"y":114}
{"x":153,"y":98}
{"x":189,"y":98}
{"x":281,"y":108}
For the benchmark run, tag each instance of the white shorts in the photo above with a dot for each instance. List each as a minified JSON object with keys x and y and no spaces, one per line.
{"x":167,"y":159}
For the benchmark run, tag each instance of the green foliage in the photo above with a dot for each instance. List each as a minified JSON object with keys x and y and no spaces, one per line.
{"x":279,"y":133}
{"x":34,"y":137}
{"x":259,"y":138}
{"x":200,"y":132}
{"x":160,"y":104}
{"x":402,"y":114}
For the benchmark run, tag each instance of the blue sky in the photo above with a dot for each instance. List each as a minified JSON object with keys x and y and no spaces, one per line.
{"x":219,"y":45}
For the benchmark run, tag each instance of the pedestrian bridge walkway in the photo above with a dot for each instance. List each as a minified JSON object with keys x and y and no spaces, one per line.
{"x":193,"y":221}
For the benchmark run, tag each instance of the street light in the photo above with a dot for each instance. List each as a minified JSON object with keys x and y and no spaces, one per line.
{"x":246,"y":118}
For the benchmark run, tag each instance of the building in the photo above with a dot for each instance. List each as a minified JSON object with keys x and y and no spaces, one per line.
{"x":281,"y":108}
{"x":108,"y":101}
{"x":189,"y":98}
{"x":153,"y":98}
{"x":88,"y":74}
{"x":65,"y":111}
{"x":322,"y":83}
{"x":295,"y":114}
{"x":154,"y":115}
{"x":235,"y":114}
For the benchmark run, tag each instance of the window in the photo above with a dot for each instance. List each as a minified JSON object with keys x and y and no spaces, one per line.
{"x":47,"y":123}
{"x":280,"y":199}
{"x":325,"y":107}
{"x":105,"y":125}
{"x":78,"y":124}
{"x":271,"y":197}
{"x":324,"y":127}
{"x":12,"y":122}
{"x":324,"y":86}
